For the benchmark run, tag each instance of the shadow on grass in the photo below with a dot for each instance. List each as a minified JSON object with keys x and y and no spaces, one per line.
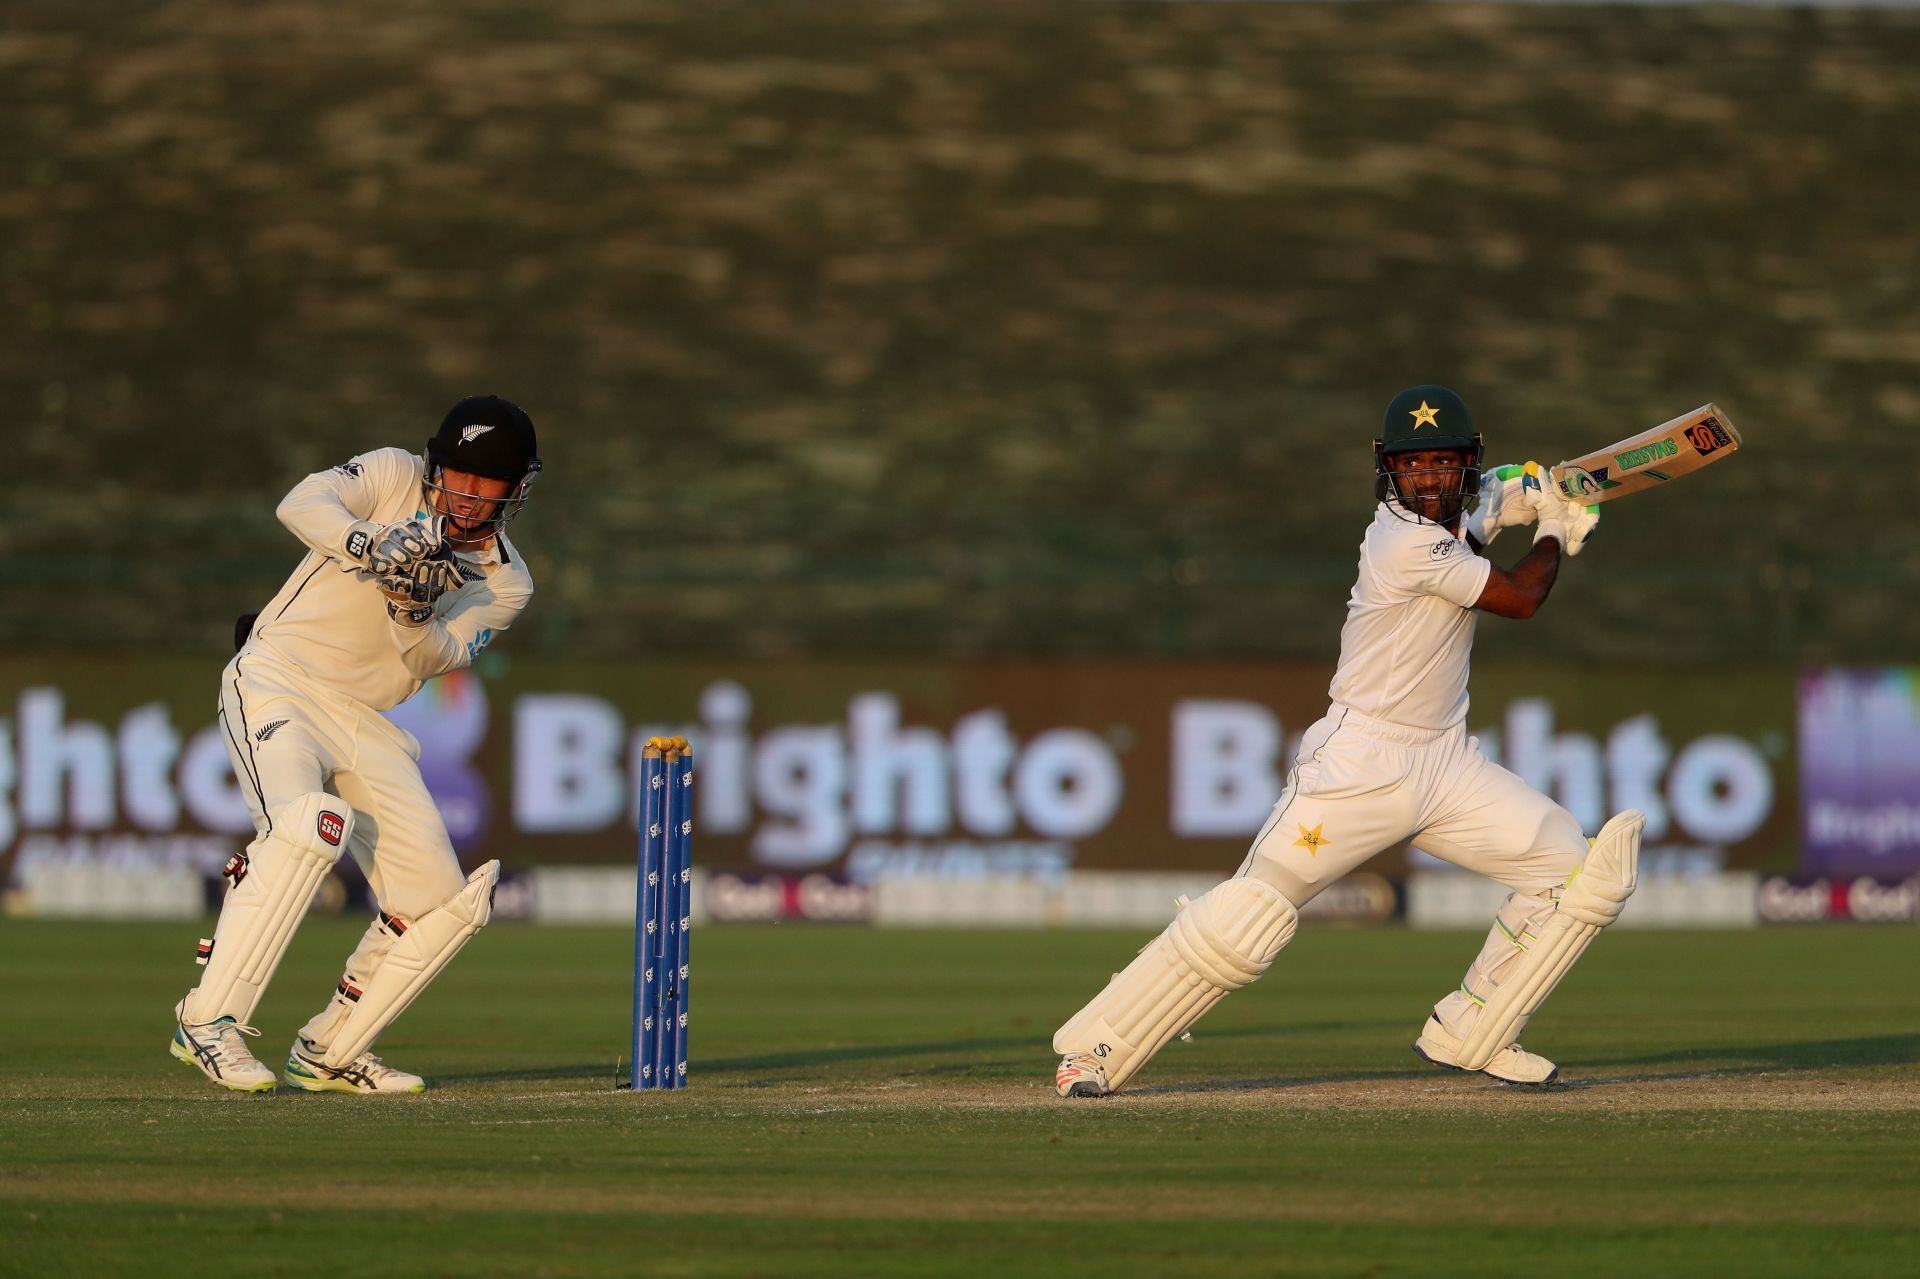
{"x":1810,"y":1054}
{"x":762,"y":1061}
{"x":886,"y":1051}
{"x":1732,"y":1061}
{"x":1272,"y":1083}
{"x":1712,"y":1063}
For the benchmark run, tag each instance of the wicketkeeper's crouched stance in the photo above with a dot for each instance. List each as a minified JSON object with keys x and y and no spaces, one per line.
{"x":408,"y":575}
{"x":1391,"y":761}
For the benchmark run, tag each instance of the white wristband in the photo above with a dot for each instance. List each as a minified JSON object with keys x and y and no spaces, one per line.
{"x":358,"y":541}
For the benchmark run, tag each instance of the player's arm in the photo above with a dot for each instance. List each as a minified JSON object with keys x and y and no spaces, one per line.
{"x":1521,"y":590}
{"x":328,"y":511}
{"x":323,"y":509}
{"x":1558,"y":522}
{"x":433,"y":645}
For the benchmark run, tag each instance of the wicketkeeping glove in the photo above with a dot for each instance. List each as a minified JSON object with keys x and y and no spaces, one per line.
{"x":411,"y":592}
{"x":392,"y":548}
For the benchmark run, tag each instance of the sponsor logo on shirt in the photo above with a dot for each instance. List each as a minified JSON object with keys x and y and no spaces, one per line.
{"x":1440,"y":550}
{"x":349,"y":468}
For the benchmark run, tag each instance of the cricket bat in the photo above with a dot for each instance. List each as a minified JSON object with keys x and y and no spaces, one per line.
{"x":1666,"y":452}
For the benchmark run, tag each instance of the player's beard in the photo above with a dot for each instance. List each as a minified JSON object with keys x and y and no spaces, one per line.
{"x":1440,"y":504}
{"x":1442,"y":509}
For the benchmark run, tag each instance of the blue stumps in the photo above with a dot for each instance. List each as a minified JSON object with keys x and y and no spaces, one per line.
{"x":663,"y":910}
{"x":680,"y":839}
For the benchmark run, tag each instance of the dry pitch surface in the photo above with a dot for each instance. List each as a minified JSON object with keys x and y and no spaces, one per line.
{"x":880,"y":1103}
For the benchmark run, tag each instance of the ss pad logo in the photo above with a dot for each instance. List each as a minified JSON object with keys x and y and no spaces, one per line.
{"x":331,"y":827}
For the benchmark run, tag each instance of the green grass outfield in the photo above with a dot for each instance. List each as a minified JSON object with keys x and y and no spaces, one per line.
{"x":873,"y":1102}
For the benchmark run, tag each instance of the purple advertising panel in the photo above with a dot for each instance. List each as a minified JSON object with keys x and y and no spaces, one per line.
{"x":1860,"y":772}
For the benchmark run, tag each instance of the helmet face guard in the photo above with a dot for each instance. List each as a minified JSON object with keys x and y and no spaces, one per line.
{"x":444,"y":497}
{"x":492,"y":438}
{"x":1463,"y":488}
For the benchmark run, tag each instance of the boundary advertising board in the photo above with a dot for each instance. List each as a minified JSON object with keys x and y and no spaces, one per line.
{"x":888,"y":770}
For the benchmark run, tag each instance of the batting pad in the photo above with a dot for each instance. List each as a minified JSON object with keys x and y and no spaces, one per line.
{"x":274,"y":884}
{"x":1220,"y":943}
{"x":415,"y":959}
{"x":1592,"y":899}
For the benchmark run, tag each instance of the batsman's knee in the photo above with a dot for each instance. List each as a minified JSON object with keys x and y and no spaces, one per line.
{"x":1597,"y":892}
{"x":1231,"y":935}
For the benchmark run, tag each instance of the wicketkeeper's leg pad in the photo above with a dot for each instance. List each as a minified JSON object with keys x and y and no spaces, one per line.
{"x":1220,"y":943}
{"x":423,"y":949}
{"x":274,"y":881}
{"x":366,"y":959}
{"x":1592,"y":898}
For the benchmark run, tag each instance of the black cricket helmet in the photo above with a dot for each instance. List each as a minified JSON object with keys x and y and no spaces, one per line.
{"x":1428,"y":417}
{"x":487,"y":436}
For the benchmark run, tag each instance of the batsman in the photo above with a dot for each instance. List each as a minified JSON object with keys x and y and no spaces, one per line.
{"x":408,"y":574}
{"x":1391,"y":761}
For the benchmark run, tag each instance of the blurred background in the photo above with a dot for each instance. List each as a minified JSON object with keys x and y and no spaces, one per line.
{"x":957,"y":418}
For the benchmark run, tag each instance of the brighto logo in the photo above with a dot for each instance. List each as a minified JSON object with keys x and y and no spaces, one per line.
{"x":805,"y":790}
{"x":73,"y":790}
{"x":1230,"y":760}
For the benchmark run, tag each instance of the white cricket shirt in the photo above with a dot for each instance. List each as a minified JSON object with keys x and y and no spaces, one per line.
{"x":330,"y":623}
{"x":1409,"y":628}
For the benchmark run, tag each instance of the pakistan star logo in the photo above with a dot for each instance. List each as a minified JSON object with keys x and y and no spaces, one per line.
{"x":1312,"y":840}
{"x":1425,"y":415}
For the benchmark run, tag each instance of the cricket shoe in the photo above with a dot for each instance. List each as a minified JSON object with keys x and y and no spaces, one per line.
{"x":1080,"y":1075}
{"x":1512,"y":1064}
{"x":219,"y":1049}
{"x":364,"y":1074}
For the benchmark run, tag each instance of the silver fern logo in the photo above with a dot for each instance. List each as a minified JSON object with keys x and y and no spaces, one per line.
{"x":468,"y":434}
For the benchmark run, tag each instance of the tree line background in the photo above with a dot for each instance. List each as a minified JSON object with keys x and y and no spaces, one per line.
{"x":859,"y":327}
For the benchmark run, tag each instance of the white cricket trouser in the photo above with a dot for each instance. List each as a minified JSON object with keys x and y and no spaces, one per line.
{"x":1362,"y":785}
{"x":288,"y":737}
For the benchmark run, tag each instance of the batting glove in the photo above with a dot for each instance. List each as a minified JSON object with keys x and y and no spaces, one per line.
{"x":1502,"y":504}
{"x":1556,"y":515}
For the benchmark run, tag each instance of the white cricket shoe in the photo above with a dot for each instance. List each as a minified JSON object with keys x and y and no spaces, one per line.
{"x":219,"y":1049}
{"x":1512,"y":1064}
{"x":1080,"y":1075}
{"x":364,"y":1074}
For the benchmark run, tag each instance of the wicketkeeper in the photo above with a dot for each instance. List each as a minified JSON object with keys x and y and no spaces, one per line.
{"x":408,"y":575}
{"x":1392,"y":761}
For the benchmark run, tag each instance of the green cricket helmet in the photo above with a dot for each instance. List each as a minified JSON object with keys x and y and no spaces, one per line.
{"x":1428,"y":417}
